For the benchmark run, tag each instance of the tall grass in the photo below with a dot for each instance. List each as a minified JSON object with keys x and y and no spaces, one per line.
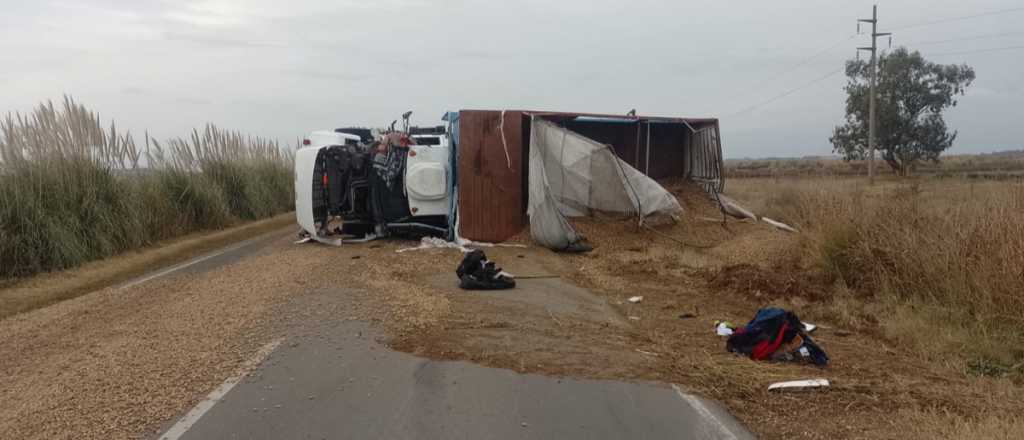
{"x":73,"y":191}
{"x":949,"y":253}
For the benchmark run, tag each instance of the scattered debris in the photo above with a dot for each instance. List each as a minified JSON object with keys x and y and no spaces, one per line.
{"x":475,"y":272}
{"x":808,"y":327}
{"x":460,"y":243}
{"x":734,"y":209}
{"x":636,"y":299}
{"x":435,"y":243}
{"x":724,"y":328}
{"x":778,"y":224}
{"x":634,"y":318}
{"x":687,"y":315}
{"x":776,"y":334}
{"x":799,"y":385}
{"x":647,"y":352}
{"x":552,"y":315}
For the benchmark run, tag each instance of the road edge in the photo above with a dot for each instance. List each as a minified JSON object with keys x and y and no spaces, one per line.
{"x":50,"y":288}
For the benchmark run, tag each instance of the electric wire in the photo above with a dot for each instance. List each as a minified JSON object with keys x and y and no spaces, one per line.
{"x":910,"y":26}
{"x":788,"y":92}
{"x":991,"y":49}
{"x":952,"y":19}
{"x":799,"y":64}
{"x":967,"y":38}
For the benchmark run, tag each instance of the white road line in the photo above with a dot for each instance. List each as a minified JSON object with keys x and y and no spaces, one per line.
{"x":191,"y":262}
{"x":185,"y":422}
{"x":705,"y":414}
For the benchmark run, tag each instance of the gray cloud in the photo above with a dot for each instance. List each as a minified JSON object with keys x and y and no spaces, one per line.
{"x":279,"y":69}
{"x":327,"y":75}
{"x":212,"y":40}
{"x":191,"y":101}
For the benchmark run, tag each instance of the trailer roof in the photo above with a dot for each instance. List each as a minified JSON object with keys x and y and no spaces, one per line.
{"x":604,"y":117}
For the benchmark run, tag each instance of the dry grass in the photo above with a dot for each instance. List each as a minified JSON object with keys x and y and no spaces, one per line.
{"x":939,"y":262}
{"x":999,"y":165}
{"x":73,"y":191}
{"x":932,"y":424}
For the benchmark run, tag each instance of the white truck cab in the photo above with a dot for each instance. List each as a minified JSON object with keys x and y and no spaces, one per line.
{"x":354,"y":183}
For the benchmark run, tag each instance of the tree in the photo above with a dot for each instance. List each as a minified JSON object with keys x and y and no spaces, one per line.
{"x":911,"y":95}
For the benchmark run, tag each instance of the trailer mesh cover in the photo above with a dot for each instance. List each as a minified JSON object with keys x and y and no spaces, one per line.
{"x":572,"y":175}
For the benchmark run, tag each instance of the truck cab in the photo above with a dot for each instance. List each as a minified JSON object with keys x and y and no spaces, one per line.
{"x":358,"y":183}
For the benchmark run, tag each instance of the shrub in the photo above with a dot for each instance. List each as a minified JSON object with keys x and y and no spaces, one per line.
{"x":72,"y":191}
{"x":949,"y":251}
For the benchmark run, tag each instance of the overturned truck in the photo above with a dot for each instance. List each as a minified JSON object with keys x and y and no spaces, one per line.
{"x":352,"y":183}
{"x":490,"y":173}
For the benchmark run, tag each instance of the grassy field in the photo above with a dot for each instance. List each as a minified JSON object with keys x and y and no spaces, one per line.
{"x":935,"y":265}
{"x":73,"y":191}
{"x":999,"y":165}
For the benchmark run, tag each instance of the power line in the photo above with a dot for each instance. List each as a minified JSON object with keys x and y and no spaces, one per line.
{"x":796,"y":66}
{"x":965,"y":17}
{"x":787,"y":93}
{"x":968,"y":38}
{"x":991,"y":49}
{"x":832,"y":73}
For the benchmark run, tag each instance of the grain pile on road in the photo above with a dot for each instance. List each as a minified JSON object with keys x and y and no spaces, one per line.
{"x":717,"y":272}
{"x":116,"y":364}
{"x":109,"y":364}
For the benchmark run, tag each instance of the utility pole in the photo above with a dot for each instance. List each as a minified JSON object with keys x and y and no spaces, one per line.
{"x":871,"y":99}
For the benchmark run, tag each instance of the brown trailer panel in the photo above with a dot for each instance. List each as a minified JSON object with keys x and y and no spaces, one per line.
{"x":490,"y":170}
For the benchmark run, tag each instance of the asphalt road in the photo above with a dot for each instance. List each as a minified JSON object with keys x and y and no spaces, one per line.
{"x":339,"y":382}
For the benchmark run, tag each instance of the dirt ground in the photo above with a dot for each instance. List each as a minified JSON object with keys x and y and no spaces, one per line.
{"x":86,"y":367}
{"x":878,"y":390}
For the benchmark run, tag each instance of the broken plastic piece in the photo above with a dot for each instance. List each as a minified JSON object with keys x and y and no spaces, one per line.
{"x":723,"y":329}
{"x":778,"y":224}
{"x":734,"y":209}
{"x":636,"y":299}
{"x":799,"y":385}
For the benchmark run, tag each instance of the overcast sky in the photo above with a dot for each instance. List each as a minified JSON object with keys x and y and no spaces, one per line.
{"x":281,"y":68}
